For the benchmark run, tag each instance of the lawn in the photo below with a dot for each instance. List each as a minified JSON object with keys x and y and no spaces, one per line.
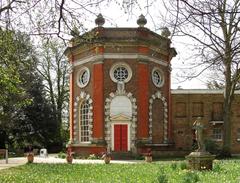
{"x":161,"y":171}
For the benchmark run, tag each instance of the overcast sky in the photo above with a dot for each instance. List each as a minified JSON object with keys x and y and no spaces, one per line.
{"x":116,"y":18}
{"x":116,"y":15}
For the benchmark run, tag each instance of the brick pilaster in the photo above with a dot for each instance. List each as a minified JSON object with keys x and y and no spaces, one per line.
{"x":98,"y":102}
{"x":71,"y":101}
{"x":169,"y":108}
{"x":142,"y":100}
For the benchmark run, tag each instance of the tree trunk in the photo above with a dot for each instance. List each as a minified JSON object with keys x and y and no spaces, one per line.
{"x":228,"y":98}
{"x":226,"y":149}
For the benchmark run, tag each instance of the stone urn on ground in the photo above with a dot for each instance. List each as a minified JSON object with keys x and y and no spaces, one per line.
{"x":30,"y":157}
{"x":69,"y":157}
{"x":148,"y":156}
{"x":106,"y":157}
{"x":148,"y":159}
{"x":200,"y":159}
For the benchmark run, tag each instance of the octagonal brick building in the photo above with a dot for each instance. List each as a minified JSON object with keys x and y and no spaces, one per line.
{"x":120,"y":94}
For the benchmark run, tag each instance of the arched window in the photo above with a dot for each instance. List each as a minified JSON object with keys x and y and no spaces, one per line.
{"x":84,"y":121}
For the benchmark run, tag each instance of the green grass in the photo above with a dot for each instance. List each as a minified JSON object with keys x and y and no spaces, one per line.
{"x":224,"y":171}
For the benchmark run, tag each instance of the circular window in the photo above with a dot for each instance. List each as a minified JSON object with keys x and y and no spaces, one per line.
{"x":120,"y":72}
{"x":157,"y":77}
{"x":83,"y":77}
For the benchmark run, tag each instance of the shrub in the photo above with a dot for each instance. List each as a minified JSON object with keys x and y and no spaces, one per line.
{"x":139,"y":157}
{"x":211,"y":146}
{"x":162,"y":177}
{"x":183,"y":165}
{"x":173,"y":166}
{"x":61,"y":155}
{"x":224,"y":154}
{"x":216,"y":168}
{"x":92,"y":156}
{"x":190,"y":177}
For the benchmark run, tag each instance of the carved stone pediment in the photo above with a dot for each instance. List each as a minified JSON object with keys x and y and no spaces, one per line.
{"x":120,"y":117}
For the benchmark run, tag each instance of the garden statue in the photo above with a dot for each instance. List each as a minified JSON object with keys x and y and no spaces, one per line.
{"x":198,"y":126}
{"x":200,"y":159}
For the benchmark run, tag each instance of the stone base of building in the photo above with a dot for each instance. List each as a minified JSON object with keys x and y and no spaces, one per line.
{"x":86,"y":150}
{"x":200,"y":160}
{"x":99,"y":147}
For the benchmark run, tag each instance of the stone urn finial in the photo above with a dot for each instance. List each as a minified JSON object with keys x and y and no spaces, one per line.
{"x":99,"y":21}
{"x":165,"y":32}
{"x":141,"y":21}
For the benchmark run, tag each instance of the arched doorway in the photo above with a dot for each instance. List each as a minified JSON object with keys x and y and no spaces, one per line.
{"x":120,"y":116}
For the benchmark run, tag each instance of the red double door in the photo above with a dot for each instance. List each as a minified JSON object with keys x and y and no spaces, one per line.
{"x":120,"y":138}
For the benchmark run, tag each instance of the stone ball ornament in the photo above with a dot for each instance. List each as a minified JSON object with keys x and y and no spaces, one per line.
{"x":141,"y":21}
{"x":99,"y":21}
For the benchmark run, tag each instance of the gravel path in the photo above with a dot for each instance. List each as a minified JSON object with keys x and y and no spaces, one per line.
{"x":13,"y":162}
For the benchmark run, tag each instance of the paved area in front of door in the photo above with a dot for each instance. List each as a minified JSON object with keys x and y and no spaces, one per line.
{"x":13,"y":162}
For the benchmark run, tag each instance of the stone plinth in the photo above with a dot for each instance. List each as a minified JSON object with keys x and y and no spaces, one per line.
{"x":200,"y":160}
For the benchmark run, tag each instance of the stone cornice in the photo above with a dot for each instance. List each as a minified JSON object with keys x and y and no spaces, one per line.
{"x":199,"y":91}
{"x":88,"y":48}
{"x":121,"y":56}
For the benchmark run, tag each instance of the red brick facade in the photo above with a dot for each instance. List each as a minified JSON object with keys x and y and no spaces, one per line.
{"x":123,"y":77}
{"x":207,"y":104}
{"x":142,"y":100}
{"x":71,"y":98}
{"x":98,"y":102}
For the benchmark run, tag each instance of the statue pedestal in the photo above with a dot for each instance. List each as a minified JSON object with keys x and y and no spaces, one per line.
{"x":200,"y":160}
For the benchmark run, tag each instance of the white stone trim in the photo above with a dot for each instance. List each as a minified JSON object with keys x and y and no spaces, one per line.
{"x":78,"y":100}
{"x":119,"y":56}
{"x":155,"y":96}
{"x":70,"y":69}
{"x":109,"y":122}
{"x":199,"y":91}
